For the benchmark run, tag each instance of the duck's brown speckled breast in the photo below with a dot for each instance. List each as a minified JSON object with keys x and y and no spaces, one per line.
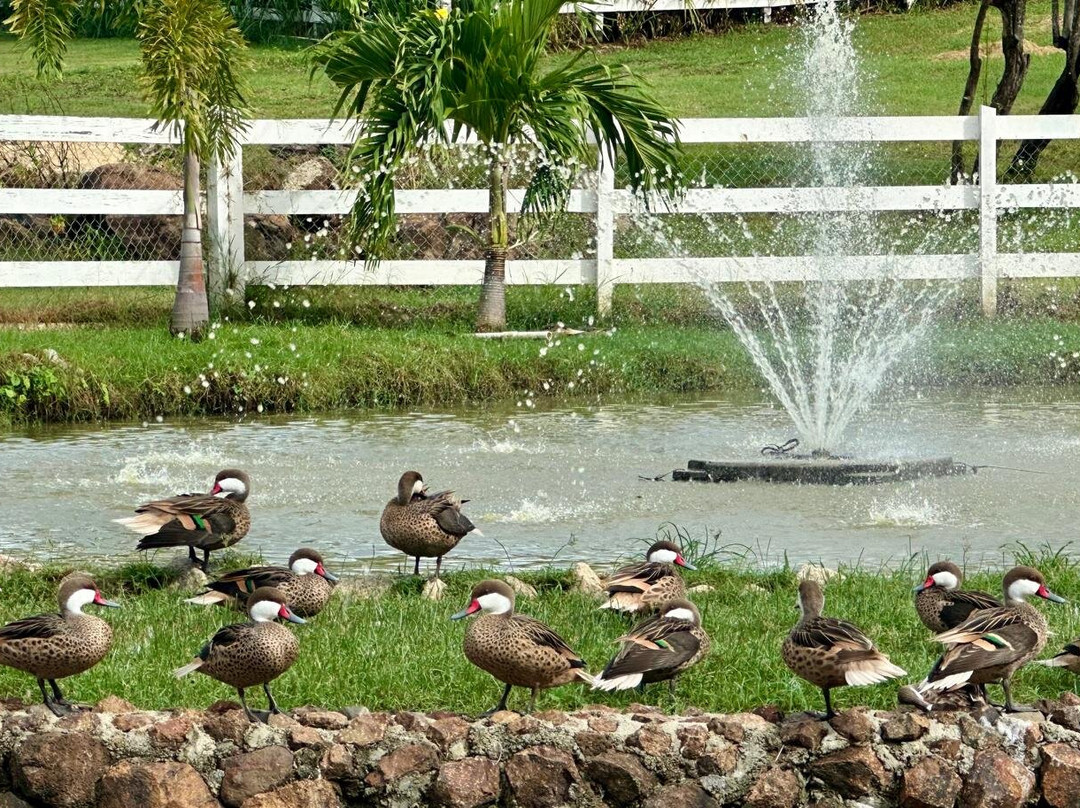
{"x":260,"y":655}
{"x":83,"y":641}
{"x":498,"y":645}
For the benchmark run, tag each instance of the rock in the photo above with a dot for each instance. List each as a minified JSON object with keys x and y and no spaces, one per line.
{"x":337,"y":763}
{"x":145,"y":238}
{"x":187,"y":577}
{"x":818,"y":573}
{"x":126,"y":722}
{"x":1060,"y":775}
{"x":775,"y":788}
{"x":322,"y":719}
{"x":805,"y":733}
{"x":693,"y":738}
{"x":996,"y":781}
{"x":852,"y":772}
{"x":652,"y":741}
{"x":355,"y":710}
{"x":154,"y":785}
{"x":315,"y":174}
{"x":269,"y":237}
{"x":80,"y":757}
{"x":412,"y":759}
{"x":434,"y":589}
{"x":171,"y":733}
{"x":467,"y":783}
{"x":585,"y":580}
{"x":445,"y":732}
{"x":686,"y":795}
{"x":720,"y":760}
{"x":769,"y":712}
{"x":623,"y":779}
{"x":114,"y":704}
{"x":1065,"y":715}
{"x":542,"y":777}
{"x":255,"y":772}
{"x":855,"y":725}
{"x":365,"y":730}
{"x":522,"y":589}
{"x":593,"y":743}
{"x":930,"y":783}
{"x":603,"y":723}
{"x":904,"y":727}
{"x":301,"y":794}
{"x":227,"y":726}
{"x":9,"y":800}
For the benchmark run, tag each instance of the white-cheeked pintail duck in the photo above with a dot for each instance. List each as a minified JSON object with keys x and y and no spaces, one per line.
{"x":207,"y":522}
{"x":248,"y":654}
{"x":55,"y":646}
{"x":829,"y":653}
{"x":941,"y":604}
{"x":657,"y":650}
{"x":647,"y":586}
{"x":424,"y":525}
{"x":518,"y":650}
{"x":305,"y":582}
{"x":992,"y":644}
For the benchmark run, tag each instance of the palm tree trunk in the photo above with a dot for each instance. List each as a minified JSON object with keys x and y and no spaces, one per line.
{"x":492,"y":313}
{"x":190,"y":312}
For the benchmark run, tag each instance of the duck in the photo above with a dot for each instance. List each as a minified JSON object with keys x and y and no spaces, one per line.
{"x":658,"y":649}
{"x":424,"y":525}
{"x":941,"y":605}
{"x":830,"y":653}
{"x":993,"y":644}
{"x":648,"y":585}
{"x":56,"y":646}
{"x":211,"y":521}
{"x":305,"y":582}
{"x":254,"y":653}
{"x":1068,"y":658}
{"x":517,"y":650}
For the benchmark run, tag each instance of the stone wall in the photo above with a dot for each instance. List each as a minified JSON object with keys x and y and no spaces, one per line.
{"x":119,"y":757}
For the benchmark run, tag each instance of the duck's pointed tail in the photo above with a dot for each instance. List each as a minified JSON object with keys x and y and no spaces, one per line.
{"x":191,"y":667}
{"x":209,"y":598}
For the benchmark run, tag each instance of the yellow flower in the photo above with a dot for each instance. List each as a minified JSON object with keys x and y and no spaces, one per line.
{"x":442,"y":12}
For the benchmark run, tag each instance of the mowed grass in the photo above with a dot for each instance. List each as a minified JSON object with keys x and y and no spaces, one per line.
{"x":399,"y":652}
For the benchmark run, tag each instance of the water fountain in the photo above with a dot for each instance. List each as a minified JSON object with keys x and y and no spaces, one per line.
{"x":826,"y":355}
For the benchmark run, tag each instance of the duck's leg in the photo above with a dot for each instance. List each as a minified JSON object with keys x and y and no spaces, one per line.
{"x":828,"y":704}
{"x":54,"y":708}
{"x":671,"y":686}
{"x":205,"y":560}
{"x":270,"y":700}
{"x":501,"y":705}
{"x":58,"y":697}
{"x":416,"y":566}
{"x":1010,"y":705}
{"x":191,"y":555}
{"x":247,"y":710}
{"x":532,"y":699}
{"x":438,"y":565}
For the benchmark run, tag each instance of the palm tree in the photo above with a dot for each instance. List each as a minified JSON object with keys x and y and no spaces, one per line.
{"x":193,"y":56}
{"x":436,"y":76}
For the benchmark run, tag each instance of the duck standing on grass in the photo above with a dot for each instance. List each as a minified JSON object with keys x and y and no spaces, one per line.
{"x":424,"y":525}
{"x":207,"y":522}
{"x":993,"y":644}
{"x":55,"y":646}
{"x":248,"y":654}
{"x":657,"y":650}
{"x":829,"y":653}
{"x":941,"y":604}
{"x":516,"y":649}
{"x":305,"y":582}
{"x":646,"y":586}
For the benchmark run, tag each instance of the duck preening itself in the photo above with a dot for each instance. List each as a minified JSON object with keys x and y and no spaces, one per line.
{"x":993,"y":644}
{"x":55,"y":646}
{"x":518,"y":650}
{"x":305,"y":582}
{"x":829,"y":653}
{"x":254,"y":653}
{"x":657,"y":650}
{"x":941,"y":604}
{"x":648,"y":585}
{"x":424,"y":525}
{"x":207,"y":522}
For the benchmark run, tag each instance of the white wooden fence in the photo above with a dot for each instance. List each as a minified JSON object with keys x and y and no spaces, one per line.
{"x":227,"y":203}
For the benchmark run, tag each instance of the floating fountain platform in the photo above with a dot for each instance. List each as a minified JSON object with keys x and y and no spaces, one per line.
{"x":818,"y":470}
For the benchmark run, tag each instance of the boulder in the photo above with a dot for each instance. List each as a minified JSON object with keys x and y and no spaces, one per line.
{"x":930,"y":783}
{"x":254,"y":772}
{"x":804,"y":733}
{"x":365,"y":730}
{"x":855,"y":725}
{"x":321,"y":719}
{"x":269,"y":237}
{"x":114,"y":704}
{"x":852,"y":772}
{"x":445,"y":732}
{"x":542,"y":777}
{"x":59,"y":769}
{"x":171,"y":733}
{"x":621,"y":777}
{"x":412,"y":759}
{"x":904,"y":727}
{"x":1060,"y":775}
{"x":996,"y":781}
{"x":652,"y":741}
{"x":775,"y":788}
{"x":301,"y":794}
{"x":467,"y":783}
{"x":9,"y":800}
{"x":694,"y":738}
{"x":521,"y":589}
{"x":585,"y":579}
{"x":314,"y":174}
{"x":154,"y":785}
{"x":685,"y":795}
{"x":145,"y":238}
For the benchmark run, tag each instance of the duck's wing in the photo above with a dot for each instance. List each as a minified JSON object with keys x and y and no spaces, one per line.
{"x":195,"y":521}
{"x":225,"y":636}
{"x":544,"y":635}
{"x":1067,"y":657}
{"x":961,"y":604}
{"x":445,"y":508}
{"x":657,"y":644}
{"x":247,"y":580}
{"x":636,"y":577}
{"x":829,"y":632}
{"x":38,"y":626}
{"x":1003,"y":645}
{"x":979,"y":624}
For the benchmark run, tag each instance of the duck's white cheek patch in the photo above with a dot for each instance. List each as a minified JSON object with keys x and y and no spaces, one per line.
{"x":231,"y":485}
{"x":946,"y":580}
{"x":304,"y":566}
{"x":663,"y":556}
{"x":80,"y":598}
{"x":265,"y":610}
{"x":1019,"y":590}
{"x":680,"y":614}
{"x":494,"y":602}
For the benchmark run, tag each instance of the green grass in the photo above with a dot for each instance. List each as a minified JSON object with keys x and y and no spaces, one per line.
{"x":401,"y":652}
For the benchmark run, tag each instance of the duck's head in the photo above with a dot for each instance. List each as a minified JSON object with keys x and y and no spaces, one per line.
{"x":267,"y":603}
{"x":306,"y":561}
{"x":410,"y":484}
{"x":1022,"y":582}
{"x":494,"y":597}
{"x":681,"y":609}
{"x":665,"y":552}
{"x":232,"y":484}
{"x":811,"y":599}
{"x":78,"y":590}
{"x":943,"y":574}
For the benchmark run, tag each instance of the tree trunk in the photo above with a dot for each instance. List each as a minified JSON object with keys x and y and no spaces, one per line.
{"x":492,"y":313}
{"x":190,"y":312}
{"x":956,"y":172}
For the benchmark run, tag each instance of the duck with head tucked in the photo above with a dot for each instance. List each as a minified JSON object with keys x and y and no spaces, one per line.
{"x":305,"y":582}
{"x":55,"y":646}
{"x":518,"y":650}
{"x":645,"y":587}
{"x":424,"y":525}
{"x":941,"y":604}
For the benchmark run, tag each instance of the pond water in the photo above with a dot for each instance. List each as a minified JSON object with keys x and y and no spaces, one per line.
{"x":562,"y":484}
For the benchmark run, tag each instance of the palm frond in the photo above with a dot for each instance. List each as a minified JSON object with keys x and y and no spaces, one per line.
{"x":45,"y":26}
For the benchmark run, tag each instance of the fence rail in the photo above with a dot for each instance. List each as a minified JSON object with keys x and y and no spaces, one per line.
{"x":231,"y":211}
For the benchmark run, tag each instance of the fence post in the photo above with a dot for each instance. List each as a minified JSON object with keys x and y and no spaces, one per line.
{"x":225,"y":222}
{"x":988,"y":264}
{"x":605,"y":232}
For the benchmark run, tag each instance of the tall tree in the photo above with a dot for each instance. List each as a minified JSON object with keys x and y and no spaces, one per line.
{"x":193,"y":58}
{"x":434,"y":76}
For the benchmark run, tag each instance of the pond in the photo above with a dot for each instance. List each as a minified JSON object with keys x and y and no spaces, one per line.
{"x":562,"y":484}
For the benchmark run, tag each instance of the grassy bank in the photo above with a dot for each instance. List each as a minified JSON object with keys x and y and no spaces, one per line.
{"x":400,"y":652}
